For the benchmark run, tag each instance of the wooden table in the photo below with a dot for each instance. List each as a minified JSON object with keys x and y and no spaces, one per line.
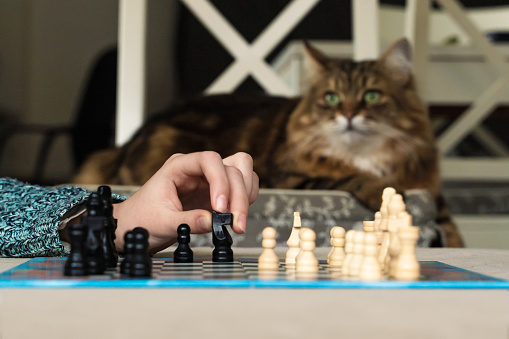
{"x":265,"y":313}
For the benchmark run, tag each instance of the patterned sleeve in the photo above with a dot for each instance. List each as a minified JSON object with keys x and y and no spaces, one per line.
{"x":30,"y":215}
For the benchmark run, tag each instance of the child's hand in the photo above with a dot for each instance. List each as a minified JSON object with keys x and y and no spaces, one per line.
{"x":185,"y":190}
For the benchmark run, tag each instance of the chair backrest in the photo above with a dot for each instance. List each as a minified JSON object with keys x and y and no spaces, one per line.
{"x":94,"y":126}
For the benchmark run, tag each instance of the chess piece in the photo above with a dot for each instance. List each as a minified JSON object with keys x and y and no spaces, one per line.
{"x":337,"y":254}
{"x":268,"y":260}
{"x":76,"y":263}
{"x":348,"y":252}
{"x":387,"y":195}
{"x":141,"y":263}
{"x":306,"y":261}
{"x":109,"y":228}
{"x":377,"y":221}
{"x":95,"y":222}
{"x":403,"y":220}
{"x":293,"y":241}
{"x":183,"y":253}
{"x":125,"y":265}
{"x":379,"y":233}
{"x":370,"y":267}
{"x":221,"y":239}
{"x":408,"y":267}
{"x":368,"y":226}
{"x":358,"y":254}
{"x":394,"y":208}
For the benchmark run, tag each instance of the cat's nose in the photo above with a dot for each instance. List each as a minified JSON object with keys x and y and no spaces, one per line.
{"x":349,"y":115}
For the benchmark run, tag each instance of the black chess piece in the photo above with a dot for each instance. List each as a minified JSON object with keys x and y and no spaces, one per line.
{"x":95,"y":222}
{"x":109,"y":228}
{"x":125,"y":265}
{"x":183,"y":253}
{"x":76,"y":264}
{"x":221,"y":239}
{"x":141,"y":263}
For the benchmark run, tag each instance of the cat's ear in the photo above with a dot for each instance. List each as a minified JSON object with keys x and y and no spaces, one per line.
{"x":314,"y":64}
{"x":315,"y":56}
{"x":397,"y":61}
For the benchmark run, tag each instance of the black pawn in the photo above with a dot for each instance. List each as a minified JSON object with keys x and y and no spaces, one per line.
{"x":183,"y":253}
{"x":141,"y":264}
{"x":125,"y":265}
{"x":94,"y":205}
{"x":76,"y":264}
{"x":110,"y":226}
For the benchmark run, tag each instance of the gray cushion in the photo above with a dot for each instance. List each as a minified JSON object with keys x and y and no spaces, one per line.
{"x":322,"y":210}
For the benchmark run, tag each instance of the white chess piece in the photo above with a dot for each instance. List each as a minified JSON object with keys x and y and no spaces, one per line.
{"x":368,"y":226}
{"x":293,"y":241}
{"x":268,"y":260}
{"x":379,"y":233}
{"x":350,"y":234}
{"x":408,"y":267}
{"x":377,"y":221}
{"x":337,"y":254}
{"x":370,"y":268}
{"x":404,"y":220}
{"x":386,"y":198}
{"x":307,"y":262}
{"x":358,"y":254}
{"x":394,"y":208}
{"x":388,"y":193}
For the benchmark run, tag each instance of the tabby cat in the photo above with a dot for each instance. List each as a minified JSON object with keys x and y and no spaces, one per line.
{"x":359,"y":128}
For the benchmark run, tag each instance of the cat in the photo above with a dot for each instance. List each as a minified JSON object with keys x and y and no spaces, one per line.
{"x":360,"y":127}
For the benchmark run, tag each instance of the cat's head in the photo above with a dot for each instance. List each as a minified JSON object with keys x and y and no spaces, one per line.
{"x":357,"y":108}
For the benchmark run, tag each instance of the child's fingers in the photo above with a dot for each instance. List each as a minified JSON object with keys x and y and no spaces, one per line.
{"x":200,"y":221}
{"x":239,"y":200}
{"x":208,"y":165}
{"x":253,"y":195}
{"x":244,"y":162}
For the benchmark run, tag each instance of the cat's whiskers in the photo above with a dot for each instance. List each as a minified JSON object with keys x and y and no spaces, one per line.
{"x":356,"y":140}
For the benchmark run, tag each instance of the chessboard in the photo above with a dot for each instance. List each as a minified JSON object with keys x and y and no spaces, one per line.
{"x":44,"y":272}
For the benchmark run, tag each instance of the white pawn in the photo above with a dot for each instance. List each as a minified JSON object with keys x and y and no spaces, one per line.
{"x":268,"y":260}
{"x":348,"y":252}
{"x":370,"y":268}
{"x":293,"y":241}
{"x":368,"y":226}
{"x":337,"y":254}
{"x":407,"y":267}
{"x":358,"y":254}
{"x":306,"y":261}
{"x":377,"y":221}
{"x":378,"y":231}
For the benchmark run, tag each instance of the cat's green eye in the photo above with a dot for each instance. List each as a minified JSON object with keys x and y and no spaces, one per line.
{"x":331,"y":99}
{"x":372,"y":97}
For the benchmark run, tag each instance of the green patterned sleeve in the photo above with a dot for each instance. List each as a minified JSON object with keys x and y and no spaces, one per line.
{"x":30,"y":215}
